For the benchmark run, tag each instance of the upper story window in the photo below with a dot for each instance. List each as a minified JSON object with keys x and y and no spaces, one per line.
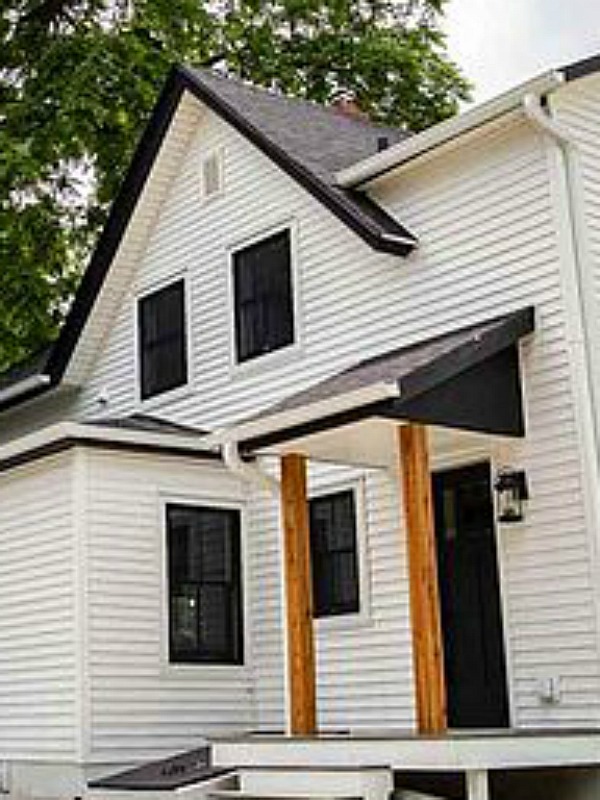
{"x":162,"y":340}
{"x":334,"y":554}
{"x":263,"y":297}
{"x":205,"y":587}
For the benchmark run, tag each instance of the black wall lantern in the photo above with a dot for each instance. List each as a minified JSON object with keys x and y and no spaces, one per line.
{"x":511,"y":490}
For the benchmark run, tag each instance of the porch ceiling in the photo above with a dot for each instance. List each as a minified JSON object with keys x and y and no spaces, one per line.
{"x":467,"y":380}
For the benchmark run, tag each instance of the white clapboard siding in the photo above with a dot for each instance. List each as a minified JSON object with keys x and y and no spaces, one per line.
{"x":547,"y":563}
{"x":484,"y":217}
{"x":578,"y":107}
{"x":485,"y":220}
{"x":140,"y":705}
{"x":38,"y":662}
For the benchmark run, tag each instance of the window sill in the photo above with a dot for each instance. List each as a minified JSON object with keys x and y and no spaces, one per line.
{"x":255,"y":366}
{"x":343,"y":622}
{"x":233,"y":671}
{"x":168,"y":396}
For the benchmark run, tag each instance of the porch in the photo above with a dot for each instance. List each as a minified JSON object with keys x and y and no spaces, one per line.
{"x":534,"y":764}
{"x":393,"y":411}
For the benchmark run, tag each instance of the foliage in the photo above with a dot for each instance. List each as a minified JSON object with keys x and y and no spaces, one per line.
{"x":78,"y":79}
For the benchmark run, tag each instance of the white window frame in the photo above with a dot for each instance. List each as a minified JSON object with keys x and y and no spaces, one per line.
{"x":217,"y":152}
{"x":171,"y":395}
{"x":362,"y":617}
{"x":169,"y":667}
{"x":284,"y":354}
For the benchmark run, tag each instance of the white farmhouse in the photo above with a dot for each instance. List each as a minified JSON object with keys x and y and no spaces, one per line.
{"x":311,"y":474}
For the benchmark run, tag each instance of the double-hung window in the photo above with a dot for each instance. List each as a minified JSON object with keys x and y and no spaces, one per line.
{"x":334,"y":554}
{"x":205,"y":585}
{"x":162,"y":340}
{"x":263,"y":297}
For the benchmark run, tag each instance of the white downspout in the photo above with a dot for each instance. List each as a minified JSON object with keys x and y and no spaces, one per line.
{"x":250,"y":473}
{"x":578,"y":321}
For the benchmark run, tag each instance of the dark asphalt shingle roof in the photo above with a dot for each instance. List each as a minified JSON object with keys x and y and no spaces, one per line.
{"x":416,"y":367}
{"x":147,"y":424}
{"x":312,"y":142}
{"x":321,"y":138}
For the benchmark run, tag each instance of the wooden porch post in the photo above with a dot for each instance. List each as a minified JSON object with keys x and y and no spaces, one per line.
{"x":298,"y":587}
{"x":422,"y":567}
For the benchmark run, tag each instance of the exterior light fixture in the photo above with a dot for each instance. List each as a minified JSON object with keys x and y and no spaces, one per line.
{"x":512,"y":492}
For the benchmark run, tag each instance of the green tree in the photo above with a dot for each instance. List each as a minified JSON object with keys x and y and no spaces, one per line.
{"x":78,"y":79}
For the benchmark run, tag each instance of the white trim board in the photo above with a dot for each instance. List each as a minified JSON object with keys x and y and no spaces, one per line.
{"x":450,"y":753}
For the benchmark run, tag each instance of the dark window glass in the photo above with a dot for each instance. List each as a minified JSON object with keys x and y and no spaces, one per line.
{"x":161,"y":320}
{"x":262,"y":281}
{"x":334,"y":554}
{"x":205,"y":588}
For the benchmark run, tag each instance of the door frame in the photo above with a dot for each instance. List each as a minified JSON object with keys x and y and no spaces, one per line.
{"x":458,"y":461}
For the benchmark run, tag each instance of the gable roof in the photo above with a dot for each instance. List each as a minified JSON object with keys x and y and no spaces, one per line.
{"x":311,"y":143}
{"x":307,"y":141}
{"x":277,"y":126}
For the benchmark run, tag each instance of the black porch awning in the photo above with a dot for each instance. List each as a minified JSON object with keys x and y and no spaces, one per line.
{"x":467,"y":379}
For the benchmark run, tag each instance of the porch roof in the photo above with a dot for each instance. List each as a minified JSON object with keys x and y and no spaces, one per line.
{"x":467,"y":379}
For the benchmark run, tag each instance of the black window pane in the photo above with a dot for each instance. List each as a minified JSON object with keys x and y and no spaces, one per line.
{"x":264,"y":313}
{"x":162,"y":342}
{"x":334,"y":554}
{"x":204,"y":585}
{"x":184,"y":619}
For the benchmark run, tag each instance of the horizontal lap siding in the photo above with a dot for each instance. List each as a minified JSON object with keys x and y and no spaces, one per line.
{"x":365,"y":667}
{"x":487,"y":247}
{"x":484,"y":217}
{"x":38,"y":709}
{"x":578,"y":107}
{"x":140,"y":706}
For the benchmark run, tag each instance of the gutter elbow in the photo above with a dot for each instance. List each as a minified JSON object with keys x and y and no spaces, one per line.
{"x":535,"y":112}
{"x":247,"y":472}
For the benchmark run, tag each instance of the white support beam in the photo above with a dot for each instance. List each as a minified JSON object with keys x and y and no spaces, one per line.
{"x":478,"y":784}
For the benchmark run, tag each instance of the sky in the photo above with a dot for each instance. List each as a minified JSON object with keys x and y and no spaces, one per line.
{"x":500,"y":43}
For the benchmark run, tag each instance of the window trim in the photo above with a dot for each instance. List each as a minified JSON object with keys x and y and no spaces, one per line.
{"x":140,"y":293}
{"x":362,"y":617}
{"x":287,"y":352}
{"x":226,"y":503}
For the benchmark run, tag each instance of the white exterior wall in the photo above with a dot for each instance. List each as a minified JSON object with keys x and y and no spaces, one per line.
{"x":139,"y":706}
{"x":488,"y":223}
{"x":486,"y":219}
{"x":577,"y":106}
{"x":39,"y":698}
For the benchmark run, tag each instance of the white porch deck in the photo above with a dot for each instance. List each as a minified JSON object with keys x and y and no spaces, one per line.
{"x":402,"y":750}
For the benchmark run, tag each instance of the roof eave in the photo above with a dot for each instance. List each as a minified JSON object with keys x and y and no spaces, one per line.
{"x":116,"y":225}
{"x":363,"y":172}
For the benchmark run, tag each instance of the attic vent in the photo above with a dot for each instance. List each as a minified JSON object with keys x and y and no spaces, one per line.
{"x":212,"y":175}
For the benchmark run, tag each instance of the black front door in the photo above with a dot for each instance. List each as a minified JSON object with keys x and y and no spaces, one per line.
{"x":470,"y":598}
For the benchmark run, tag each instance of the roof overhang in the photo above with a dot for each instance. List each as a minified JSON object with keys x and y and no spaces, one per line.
{"x":66,"y":435}
{"x":467,"y":380}
{"x":378,"y":165}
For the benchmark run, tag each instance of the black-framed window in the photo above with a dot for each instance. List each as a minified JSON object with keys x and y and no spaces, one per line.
{"x":205,"y":585}
{"x":263,"y":297}
{"x":334,"y":554}
{"x":162,"y":340}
